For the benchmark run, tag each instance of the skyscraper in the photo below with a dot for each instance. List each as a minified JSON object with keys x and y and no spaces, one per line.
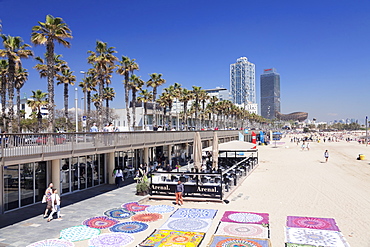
{"x":243,"y":82}
{"x":270,"y":93}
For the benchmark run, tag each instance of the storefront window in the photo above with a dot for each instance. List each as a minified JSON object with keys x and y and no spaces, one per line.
{"x":40,"y":181}
{"x":27,"y":183}
{"x":11,"y":187}
{"x":89,"y":171}
{"x":65,"y":177}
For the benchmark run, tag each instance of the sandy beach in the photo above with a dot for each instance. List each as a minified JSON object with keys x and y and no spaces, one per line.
{"x":292,"y":182}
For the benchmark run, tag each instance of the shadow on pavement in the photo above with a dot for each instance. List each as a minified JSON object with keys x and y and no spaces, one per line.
{"x":38,"y":209}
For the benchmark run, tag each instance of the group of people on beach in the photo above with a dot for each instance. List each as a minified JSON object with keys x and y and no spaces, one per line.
{"x":52,"y":200}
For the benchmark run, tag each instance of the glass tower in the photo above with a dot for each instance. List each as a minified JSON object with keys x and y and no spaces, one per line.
{"x":270,"y":93}
{"x":243,"y":82}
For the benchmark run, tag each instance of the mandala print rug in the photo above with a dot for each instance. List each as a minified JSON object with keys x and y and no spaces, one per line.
{"x":134,"y":207}
{"x":100,"y":222}
{"x":227,"y":241}
{"x":196,"y":213}
{"x":52,"y":243}
{"x":312,"y":223}
{"x":298,"y":245}
{"x":78,"y":233}
{"x":315,"y":237}
{"x":242,"y":230}
{"x":173,"y":238}
{"x":146,"y":217}
{"x":115,"y":239}
{"x":160,"y":209}
{"x":245,"y":217}
{"x":129,"y":227}
{"x":118,"y":213}
{"x":187,"y":224}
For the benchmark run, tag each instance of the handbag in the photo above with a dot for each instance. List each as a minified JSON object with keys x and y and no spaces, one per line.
{"x":44,"y":199}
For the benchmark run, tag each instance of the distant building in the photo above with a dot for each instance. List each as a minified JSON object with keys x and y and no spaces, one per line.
{"x":243,"y":82}
{"x":220,"y":93}
{"x":270,"y":93}
{"x":27,"y":109}
{"x":295,"y":116}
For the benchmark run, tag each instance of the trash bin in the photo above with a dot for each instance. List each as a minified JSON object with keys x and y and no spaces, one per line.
{"x":361,"y":157}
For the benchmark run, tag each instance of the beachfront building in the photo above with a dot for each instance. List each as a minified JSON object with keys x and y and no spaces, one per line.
{"x":270,"y":93}
{"x":243,"y":82}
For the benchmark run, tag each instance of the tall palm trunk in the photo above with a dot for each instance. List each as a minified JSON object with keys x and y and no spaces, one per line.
{"x":170,"y":117}
{"x":3,"y":100}
{"x":19,"y":109}
{"x":88,"y":103}
{"x":11,"y":95}
{"x":100,"y":103}
{"x":107,"y":109}
{"x":154,"y":106}
{"x":127,"y":99}
{"x":133,"y":108}
{"x":51,"y":73}
{"x":66,"y":101}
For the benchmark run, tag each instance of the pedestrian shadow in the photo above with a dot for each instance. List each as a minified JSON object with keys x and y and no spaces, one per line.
{"x":36,"y":210}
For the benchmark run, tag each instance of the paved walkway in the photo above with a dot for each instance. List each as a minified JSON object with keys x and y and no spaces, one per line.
{"x":26,"y":226}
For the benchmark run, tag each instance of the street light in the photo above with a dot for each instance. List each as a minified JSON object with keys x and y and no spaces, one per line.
{"x":366,"y":130}
{"x":76,"y":107}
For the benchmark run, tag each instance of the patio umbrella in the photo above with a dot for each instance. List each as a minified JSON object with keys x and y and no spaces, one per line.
{"x":197,"y":151}
{"x":215,"y":151}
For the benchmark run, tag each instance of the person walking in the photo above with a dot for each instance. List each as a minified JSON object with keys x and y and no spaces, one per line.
{"x":308,"y":146}
{"x":179,"y":191}
{"x":55,"y":201}
{"x":94,"y":128}
{"x":48,"y":193}
{"x":326,"y":155}
{"x":118,"y":175}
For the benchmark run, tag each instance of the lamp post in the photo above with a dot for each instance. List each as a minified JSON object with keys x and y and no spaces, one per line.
{"x":84,"y":90}
{"x":366,"y":130}
{"x":76,"y":107}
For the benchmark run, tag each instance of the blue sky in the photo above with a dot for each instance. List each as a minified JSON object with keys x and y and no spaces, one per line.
{"x":320,"y":48}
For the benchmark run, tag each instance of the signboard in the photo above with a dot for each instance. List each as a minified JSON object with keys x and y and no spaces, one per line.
{"x":189,"y":189}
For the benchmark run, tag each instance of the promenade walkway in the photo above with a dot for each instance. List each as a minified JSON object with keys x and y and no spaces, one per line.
{"x":287,"y":182}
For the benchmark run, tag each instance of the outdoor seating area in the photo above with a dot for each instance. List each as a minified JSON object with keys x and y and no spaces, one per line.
{"x":209,"y":181}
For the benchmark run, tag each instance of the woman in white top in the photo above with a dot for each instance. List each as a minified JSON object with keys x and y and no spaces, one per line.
{"x":55,"y":201}
{"x":118,"y":175}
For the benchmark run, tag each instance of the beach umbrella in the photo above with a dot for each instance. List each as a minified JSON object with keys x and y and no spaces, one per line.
{"x":197,"y":151}
{"x":215,"y":151}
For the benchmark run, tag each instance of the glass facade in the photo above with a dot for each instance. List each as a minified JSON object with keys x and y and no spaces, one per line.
{"x":82,"y":172}
{"x":24,"y":184}
{"x":243,"y":82}
{"x":270,"y":94}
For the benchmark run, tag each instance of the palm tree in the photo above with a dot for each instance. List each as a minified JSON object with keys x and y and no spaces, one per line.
{"x":88,"y":85}
{"x":96,"y":100}
{"x":212,"y":109}
{"x":103,"y":60}
{"x":203,"y":97}
{"x":108,"y":95}
{"x":126,"y":67}
{"x":185,"y":97}
{"x":197,"y":92}
{"x":164,"y":101}
{"x":135,"y":84}
{"x":145,"y":97}
{"x":21,"y":77}
{"x":66,"y":78}
{"x":38,"y":101}
{"x":4,"y":82}
{"x":155,"y":81}
{"x":14,"y":50}
{"x":53,"y":29}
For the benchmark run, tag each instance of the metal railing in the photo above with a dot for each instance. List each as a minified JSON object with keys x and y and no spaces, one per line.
{"x":18,"y":146}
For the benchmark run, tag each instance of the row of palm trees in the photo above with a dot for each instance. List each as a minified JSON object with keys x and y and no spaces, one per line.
{"x":96,"y":82}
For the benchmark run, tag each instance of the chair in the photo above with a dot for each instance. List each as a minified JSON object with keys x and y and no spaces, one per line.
{"x":204,"y":180}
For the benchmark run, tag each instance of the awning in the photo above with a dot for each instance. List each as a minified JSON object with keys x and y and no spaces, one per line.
{"x":234,"y":146}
